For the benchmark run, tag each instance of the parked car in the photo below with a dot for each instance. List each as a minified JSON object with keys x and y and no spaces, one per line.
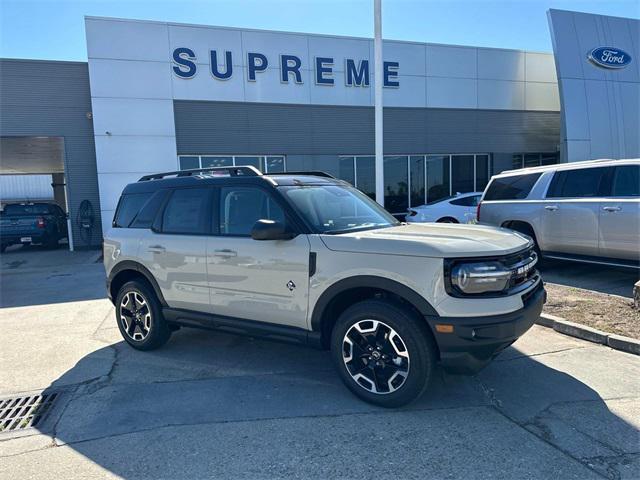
{"x":26,"y":223}
{"x":583,"y":211}
{"x":460,"y":208}
{"x":310,"y":259}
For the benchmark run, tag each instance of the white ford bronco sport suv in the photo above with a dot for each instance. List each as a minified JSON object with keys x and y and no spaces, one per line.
{"x":304,"y":257}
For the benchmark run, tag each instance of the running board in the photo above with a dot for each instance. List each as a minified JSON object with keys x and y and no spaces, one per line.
{"x":241,"y":326}
{"x":595,"y":261}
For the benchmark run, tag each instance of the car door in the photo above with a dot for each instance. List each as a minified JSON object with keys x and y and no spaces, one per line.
{"x":262,"y":280}
{"x":570,"y":212}
{"x":620,"y":215}
{"x":174,"y":250}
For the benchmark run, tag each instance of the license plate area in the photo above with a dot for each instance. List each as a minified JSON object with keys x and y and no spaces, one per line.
{"x":25,"y":239}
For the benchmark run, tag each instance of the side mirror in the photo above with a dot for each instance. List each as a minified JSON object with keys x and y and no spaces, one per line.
{"x":270,"y":230}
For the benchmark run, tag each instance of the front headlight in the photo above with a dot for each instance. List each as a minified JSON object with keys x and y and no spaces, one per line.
{"x":480,"y":277}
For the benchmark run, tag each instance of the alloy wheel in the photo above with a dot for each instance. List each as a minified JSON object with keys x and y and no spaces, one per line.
{"x":376,"y":356}
{"x":135,"y":316}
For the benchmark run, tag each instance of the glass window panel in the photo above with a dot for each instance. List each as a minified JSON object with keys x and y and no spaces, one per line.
{"x":128,"y":208}
{"x":208,"y":162}
{"x":626,"y":181}
{"x":275,"y":164}
{"x":189,"y":162}
{"x":345,"y":170}
{"x":517,"y":161}
{"x":396,"y":184}
{"x":462,"y":175}
{"x":531,"y":160}
{"x":366,"y":175}
{"x":482,"y":172}
{"x":581,"y":183}
{"x":437,"y":177}
{"x":186,"y":211}
{"x":252,"y":161}
{"x":549,"y":158}
{"x":242,"y":207}
{"x":514,"y":187}
{"x":416,"y":170}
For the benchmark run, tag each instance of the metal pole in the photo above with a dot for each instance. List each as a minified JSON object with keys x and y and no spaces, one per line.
{"x":378,"y":80}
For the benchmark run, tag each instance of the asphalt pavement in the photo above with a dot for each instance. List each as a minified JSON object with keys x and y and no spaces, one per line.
{"x":212,"y":405}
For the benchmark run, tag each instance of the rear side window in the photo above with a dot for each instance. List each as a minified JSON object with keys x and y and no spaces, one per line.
{"x":147,"y":214}
{"x":187,"y":212}
{"x":471,"y":201}
{"x":242,"y":207}
{"x":626,"y":181}
{"x":128,"y":208}
{"x":580,"y":183}
{"x":514,"y":187}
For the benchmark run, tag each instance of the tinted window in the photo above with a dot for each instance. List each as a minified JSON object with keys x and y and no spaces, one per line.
{"x":129,"y":207}
{"x":471,"y":201}
{"x":148,"y":212}
{"x":514,"y":187}
{"x":36,"y":209}
{"x":187,"y":212}
{"x":580,"y":183}
{"x":626,"y":181}
{"x":242,"y":207}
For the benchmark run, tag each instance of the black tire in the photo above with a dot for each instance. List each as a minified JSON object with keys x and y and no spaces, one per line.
{"x":527,"y":230}
{"x":415,"y":337}
{"x":51,"y":244}
{"x":447,"y":220}
{"x":150,"y":333}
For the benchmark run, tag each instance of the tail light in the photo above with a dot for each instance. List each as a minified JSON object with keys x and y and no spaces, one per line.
{"x":478,"y":212}
{"x":40,"y":222}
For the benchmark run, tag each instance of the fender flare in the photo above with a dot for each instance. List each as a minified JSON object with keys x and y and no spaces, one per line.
{"x":141,"y":269}
{"x":369,"y":281}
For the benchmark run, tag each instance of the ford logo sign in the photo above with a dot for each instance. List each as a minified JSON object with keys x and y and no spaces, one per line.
{"x":609,"y":57}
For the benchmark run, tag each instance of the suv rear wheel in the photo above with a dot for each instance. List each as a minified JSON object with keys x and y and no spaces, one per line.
{"x":383,"y":353}
{"x":139,"y":316}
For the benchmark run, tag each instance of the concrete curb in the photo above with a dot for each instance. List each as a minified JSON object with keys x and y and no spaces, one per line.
{"x":617,"y":342}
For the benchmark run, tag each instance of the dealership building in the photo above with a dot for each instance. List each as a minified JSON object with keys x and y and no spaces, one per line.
{"x":158,"y":96}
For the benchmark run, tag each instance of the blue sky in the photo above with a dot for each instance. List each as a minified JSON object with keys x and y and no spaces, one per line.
{"x":54,"y":29}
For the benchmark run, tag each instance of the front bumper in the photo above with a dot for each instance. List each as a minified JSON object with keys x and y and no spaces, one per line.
{"x":476,"y":340}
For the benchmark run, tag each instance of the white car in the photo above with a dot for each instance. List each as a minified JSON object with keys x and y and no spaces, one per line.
{"x":460,"y":208}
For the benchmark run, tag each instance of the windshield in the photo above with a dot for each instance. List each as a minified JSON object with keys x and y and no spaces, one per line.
{"x":337,"y":208}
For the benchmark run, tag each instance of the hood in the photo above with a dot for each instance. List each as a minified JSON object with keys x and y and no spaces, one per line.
{"x":445,"y":240}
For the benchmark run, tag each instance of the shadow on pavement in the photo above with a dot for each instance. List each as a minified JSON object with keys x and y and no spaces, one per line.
{"x":215,"y":405}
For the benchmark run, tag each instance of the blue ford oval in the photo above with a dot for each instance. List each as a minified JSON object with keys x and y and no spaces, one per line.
{"x":609,"y":57}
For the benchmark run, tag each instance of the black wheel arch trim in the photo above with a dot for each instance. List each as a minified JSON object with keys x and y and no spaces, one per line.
{"x":374,"y":282}
{"x":141,"y":269}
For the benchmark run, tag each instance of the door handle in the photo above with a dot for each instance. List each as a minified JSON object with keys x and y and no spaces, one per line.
{"x":551,"y":208}
{"x":225,"y":252}
{"x":156,"y":249}
{"x":611,"y":209}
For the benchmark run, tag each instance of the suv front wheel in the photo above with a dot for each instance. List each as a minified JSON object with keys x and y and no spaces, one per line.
{"x":139,"y":316}
{"x":383,"y":353}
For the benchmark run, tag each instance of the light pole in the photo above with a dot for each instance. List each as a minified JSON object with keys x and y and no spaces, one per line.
{"x":378,"y":81}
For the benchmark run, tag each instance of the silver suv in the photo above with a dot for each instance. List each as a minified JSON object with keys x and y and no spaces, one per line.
{"x":583,"y":211}
{"x":307,"y":258}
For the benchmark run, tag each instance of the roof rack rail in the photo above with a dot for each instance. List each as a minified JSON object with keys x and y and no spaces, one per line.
{"x":316,"y":173}
{"x":247,"y":170}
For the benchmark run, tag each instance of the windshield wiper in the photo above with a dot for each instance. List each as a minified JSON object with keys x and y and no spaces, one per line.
{"x":359,"y":228}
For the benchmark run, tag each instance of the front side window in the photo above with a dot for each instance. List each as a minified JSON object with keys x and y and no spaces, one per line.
{"x":579,"y":183}
{"x":337,"y":208}
{"x":626,"y":181}
{"x":187,"y":212}
{"x":242,"y":207}
{"x":513,"y":187}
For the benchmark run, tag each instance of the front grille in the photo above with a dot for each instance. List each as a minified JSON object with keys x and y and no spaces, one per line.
{"x":19,"y":413}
